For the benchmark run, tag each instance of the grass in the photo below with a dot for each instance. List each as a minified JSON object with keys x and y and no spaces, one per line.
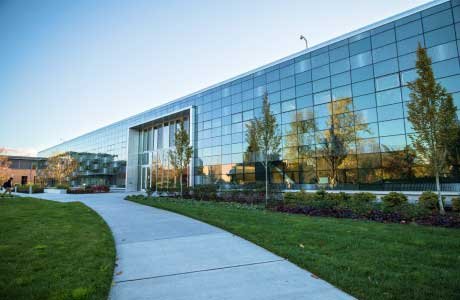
{"x":51,"y":250}
{"x":368,"y":260}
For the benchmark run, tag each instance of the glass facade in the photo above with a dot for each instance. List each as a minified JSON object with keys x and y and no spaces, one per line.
{"x":354,"y":87}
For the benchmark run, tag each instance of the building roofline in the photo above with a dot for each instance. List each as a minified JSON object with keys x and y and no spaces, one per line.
{"x":281,"y":60}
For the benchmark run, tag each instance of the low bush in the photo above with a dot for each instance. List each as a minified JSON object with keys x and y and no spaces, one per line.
{"x":456,"y":204}
{"x":205,"y":192}
{"x":25,"y":188}
{"x":363,"y":197}
{"x":394,"y":199}
{"x":100,"y":189}
{"x":428,"y":200}
{"x":62,"y":186}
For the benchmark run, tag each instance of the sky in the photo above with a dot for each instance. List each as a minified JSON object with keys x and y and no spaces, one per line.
{"x":70,"y":67}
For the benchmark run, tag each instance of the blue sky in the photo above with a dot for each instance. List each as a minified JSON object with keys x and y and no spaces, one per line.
{"x":69,"y":67}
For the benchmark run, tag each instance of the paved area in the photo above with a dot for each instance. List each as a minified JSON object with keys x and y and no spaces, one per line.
{"x":162,"y":255}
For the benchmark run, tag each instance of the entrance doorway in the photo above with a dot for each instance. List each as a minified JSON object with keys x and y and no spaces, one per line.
{"x":146,"y":180}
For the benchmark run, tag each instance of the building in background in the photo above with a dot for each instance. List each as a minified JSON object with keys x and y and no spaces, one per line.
{"x":23,"y":169}
{"x":359,"y":79}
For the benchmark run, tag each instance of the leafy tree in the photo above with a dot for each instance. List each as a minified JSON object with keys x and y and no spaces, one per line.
{"x":399,"y":163}
{"x":182,"y":153}
{"x":5,"y":164}
{"x":339,"y":137}
{"x":262,"y":136}
{"x":60,"y":167}
{"x":433,"y":116}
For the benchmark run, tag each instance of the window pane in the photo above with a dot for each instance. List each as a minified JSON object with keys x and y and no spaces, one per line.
{"x":341,"y":92}
{"x":384,"y":53}
{"x":383,"y":38}
{"x":361,"y":60}
{"x":410,"y":45}
{"x":440,"y":36}
{"x":393,"y":143}
{"x":443,"y":52}
{"x":362,"y":73}
{"x":321,"y":85}
{"x":387,"y":82}
{"x":409,"y":30}
{"x":305,"y":101}
{"x":340,"y":66}
{"x":437,"y":20}
{"x":303,"y":89}
{"x":340,"y":79}
{"x":366,"y":116}
{"x":365,"y":101}
{"x":388,"y":97}
{"x":391,"y":127}
{"x":320,"y":72}
{"x":360,"y":46}
{"x":446,"y":68}
{"x":364,"y":87}
{"x":390,"y":112}
{"x":323,"y":97}
{"x":386,"y":67}
{"x":320,"y":60}
{"x":339,"y":53}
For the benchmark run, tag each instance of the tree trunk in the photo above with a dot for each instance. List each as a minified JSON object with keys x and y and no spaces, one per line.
{"x":266,"y":182}
{"x":181,"y":194}
{"x":438,"y":190}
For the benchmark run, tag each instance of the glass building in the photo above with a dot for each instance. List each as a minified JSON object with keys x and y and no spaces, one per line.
{"x":354,"y":87}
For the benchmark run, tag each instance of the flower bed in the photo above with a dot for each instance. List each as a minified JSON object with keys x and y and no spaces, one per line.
{"x":394,"y":208}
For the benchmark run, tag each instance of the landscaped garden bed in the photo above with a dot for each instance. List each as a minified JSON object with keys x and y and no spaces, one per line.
{"x":369,"y":260}
{"x":394,"y":207}
{"x":51,"y":250}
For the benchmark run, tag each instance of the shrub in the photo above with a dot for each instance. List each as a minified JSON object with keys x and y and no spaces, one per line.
{"x":149,"y":191}
{"x":456,"y":204}
{"x":25,"y":188}
{"x":62,"y":186}
{"x":363,"y":197}
{"x":394,"y":199}
{"x":205,"y":192}
{"x":428,"y":200}
{"x":100,"y":189}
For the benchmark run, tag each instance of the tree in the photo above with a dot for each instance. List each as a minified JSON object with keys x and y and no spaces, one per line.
{"x":182,"y":153}
{"x":5,"y":164}
{"x":433,"y":116}
{"x":60,"y":167}
{"x":339,"y":137}
{"x":267,"y":142}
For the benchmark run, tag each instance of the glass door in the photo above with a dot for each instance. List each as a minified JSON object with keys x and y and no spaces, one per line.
{"x":145,"y":178}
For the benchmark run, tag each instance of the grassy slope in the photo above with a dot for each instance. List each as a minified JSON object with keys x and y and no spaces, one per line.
{"x":366,"y":259}
{"x":51,"y":250}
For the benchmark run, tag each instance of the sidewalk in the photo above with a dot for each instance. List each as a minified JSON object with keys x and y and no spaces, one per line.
{"x":162,"y":255}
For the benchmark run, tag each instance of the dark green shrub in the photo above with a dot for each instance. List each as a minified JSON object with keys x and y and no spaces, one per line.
{"x":456,"y":204}
{"x":149,"y":191}
{"x":428,"y":200}
{"x":25,"y":188}
{"x":394,"y":199}
{"x":62,"y":186}
{"x":363,"y":197}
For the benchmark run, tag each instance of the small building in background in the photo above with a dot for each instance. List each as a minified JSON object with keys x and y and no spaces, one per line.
{"x":23,"y":169}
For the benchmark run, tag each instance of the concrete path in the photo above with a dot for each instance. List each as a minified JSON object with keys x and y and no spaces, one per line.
{"x":163,"y":255}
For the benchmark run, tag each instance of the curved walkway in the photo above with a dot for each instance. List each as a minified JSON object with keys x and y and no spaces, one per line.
{"x":163,"y":255}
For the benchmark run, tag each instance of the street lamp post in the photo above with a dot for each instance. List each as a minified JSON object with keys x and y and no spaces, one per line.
{"x":306,"y":42}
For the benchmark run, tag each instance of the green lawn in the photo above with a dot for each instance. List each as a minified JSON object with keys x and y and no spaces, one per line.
{"x":51,"y":250}
{"x":369,"y":260}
